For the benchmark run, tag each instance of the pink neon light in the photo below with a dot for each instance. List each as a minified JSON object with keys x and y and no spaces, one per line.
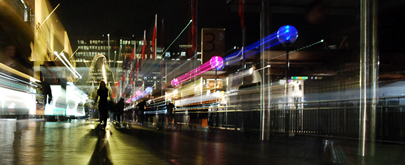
{"x":215,"y":62}
{"x":201,"y":72}
{"x":175,"y":82}
{"x":138,"y":93}
{"x":194,"y":71}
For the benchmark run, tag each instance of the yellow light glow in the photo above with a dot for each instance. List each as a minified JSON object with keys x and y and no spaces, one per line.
{"x":11,"y":70}
{"x":104,"y":74}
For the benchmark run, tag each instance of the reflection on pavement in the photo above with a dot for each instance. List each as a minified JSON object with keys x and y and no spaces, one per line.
{"x":101,"y":154}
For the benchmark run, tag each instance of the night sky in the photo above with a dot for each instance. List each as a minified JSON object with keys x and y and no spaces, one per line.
{"x":86,"y":18}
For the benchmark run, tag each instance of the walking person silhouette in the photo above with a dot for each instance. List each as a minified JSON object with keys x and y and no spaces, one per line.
{"x":103,"y":93}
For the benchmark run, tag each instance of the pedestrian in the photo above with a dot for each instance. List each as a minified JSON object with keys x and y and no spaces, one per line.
{"x":103,"y":94}
{"x":87,"y":109}
{"x":170,"y":110}
{"x":119,"y":111}
{"x":141,"y":109}
{"x":111,"y":109}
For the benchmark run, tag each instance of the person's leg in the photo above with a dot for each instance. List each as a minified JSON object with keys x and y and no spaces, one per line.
{"x":105,"y":118}
{"x":100,"y":118}
{"x":115,"y":117}
{"x":111,"y":117}
{"x":133,"y":116}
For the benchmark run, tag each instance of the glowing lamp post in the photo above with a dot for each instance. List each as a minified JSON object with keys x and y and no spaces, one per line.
{"x":216,"y":63}
{"x":175,"y":82}
{"x":287,"y":35}
{"x":148,"y":90}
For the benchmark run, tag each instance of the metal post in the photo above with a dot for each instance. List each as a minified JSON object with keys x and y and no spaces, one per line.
{"x":287,"y":67}
{"x":375,"y":74}
{"x":243,"y":39}
{"x":243,"y":48}
{"x":161,"y":78}
{"x":264,"y":108}
{"x":115,"y":70}
{"x":216,"y":77}
{"x":368,"y":72}
{"x":286,"y":108}
{"x":109,"y":59}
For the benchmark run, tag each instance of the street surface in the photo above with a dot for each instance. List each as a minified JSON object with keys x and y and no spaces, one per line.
{"x":83,"y":142}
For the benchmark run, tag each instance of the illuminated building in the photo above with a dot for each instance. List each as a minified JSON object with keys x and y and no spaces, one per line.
{"x":33,"y":37}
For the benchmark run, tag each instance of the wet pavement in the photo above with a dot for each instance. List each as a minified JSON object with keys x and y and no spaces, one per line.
{"x":83,"y":142}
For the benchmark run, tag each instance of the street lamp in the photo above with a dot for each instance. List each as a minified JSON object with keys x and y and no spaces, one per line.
{"x":175,"y":82}
{"x":216,"y":63}
{"x":287,"y":35}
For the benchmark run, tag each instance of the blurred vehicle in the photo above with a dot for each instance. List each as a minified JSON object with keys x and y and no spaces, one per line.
{"x":17,"y":97}
{"x":67,"y":101}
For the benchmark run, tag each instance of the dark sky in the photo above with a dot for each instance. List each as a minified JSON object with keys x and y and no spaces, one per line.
{"x":96,"y":17}
{"x":83,"y":18}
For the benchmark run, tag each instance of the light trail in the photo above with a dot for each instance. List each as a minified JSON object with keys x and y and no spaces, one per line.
{"x":269,"y":38}
{"x":210,"y":65}
{"x":139,"y":95}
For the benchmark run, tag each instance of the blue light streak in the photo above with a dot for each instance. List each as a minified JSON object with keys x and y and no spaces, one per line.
{"x":272,"y":38}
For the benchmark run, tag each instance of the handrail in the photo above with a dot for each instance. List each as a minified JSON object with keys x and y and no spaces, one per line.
{"x":327,"y":101}
{"x":203,"y":109}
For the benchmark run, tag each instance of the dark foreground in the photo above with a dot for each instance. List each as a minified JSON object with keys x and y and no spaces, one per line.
{"x":83,"y":142}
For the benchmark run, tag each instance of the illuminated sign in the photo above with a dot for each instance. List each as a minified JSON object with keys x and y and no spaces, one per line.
{"x":299,"y":78}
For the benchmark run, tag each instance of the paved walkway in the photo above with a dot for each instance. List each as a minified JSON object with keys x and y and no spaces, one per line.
{"x":82,"y":142}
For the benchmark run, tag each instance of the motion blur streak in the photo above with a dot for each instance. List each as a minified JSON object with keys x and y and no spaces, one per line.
{"x":269,"y":38}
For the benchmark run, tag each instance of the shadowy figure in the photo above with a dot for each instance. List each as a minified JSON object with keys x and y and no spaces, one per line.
{"x":48,"y":78}
{"x":112,"y":109}
{"x":87,"y":109}
{"x":170,"y":110}
{"x":101,"y":154}
{"x":119,"y":111}
{"x":141,"y":109}
{"x":103,"y":93}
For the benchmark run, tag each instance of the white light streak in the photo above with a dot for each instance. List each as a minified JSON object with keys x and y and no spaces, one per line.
{"x":57,"y":55}
{"x":63,"y":56}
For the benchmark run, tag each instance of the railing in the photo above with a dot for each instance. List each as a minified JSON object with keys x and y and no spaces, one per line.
{"x":336,"y":118}
{"x":340,"y":118}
